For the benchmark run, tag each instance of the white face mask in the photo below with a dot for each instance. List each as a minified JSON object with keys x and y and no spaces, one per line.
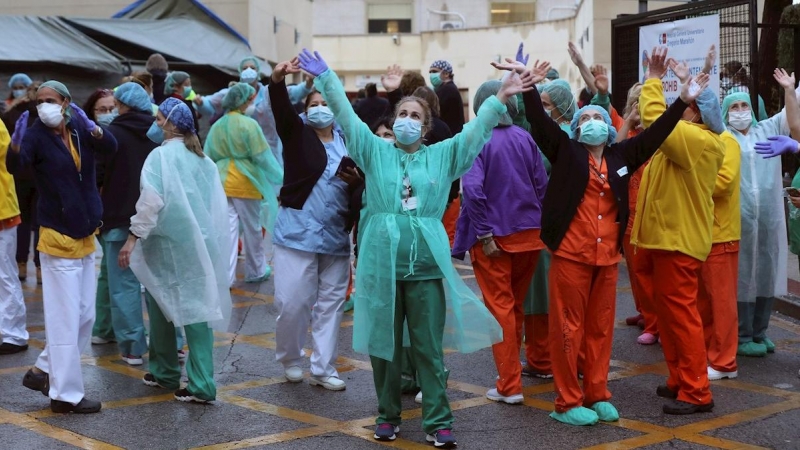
{"x":248,"y":75}
{"x":390,"y":140}
{"x":50,"y":114}
{"x":741,"y":120}
{"x":250,"y":110}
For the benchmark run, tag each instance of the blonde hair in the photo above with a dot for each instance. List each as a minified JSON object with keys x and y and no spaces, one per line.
{"x":633,"y":96}
{"x":427,"y":122}
{"x":192,"y":142}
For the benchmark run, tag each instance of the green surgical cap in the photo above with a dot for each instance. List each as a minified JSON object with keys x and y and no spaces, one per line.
{"x":552,"y":74}
{"x":175,"y":78}
{"x":249,"y":59}
{"x":561,"y":96}
{"x":737,"y":97}
{"x":489,"y":89}
{"x":58,"y":87}
{"x":237,"y":96}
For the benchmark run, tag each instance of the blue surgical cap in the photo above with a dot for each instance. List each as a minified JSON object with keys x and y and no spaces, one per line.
{"x":19,"y":78}
{"x":710,"y":112}
{"x":237,"y":96}
{"x":133,"y":95}
{"x":612,"y":132}
{"x":178,"y":113}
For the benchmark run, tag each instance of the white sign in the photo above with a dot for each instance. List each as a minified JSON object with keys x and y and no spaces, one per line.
{"x":686,"y":40}
{"x":363,"y":80}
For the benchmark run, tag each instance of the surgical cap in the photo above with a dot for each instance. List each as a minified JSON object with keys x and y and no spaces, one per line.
{"x":133,"y":95}
{"x":19,"y":78}
{"x":737,"y":97}
{"x":179,"y":114}
{"x":552,"y":74}
{"x":58,"y":87}
{"x":489,"y":89}
{"x":561,"y":97}
{"x":174,"y":79}
{"x":249,"y":59}
{"x":443,"y":65}
{"x":612,"y":132}
{"x":710,"y":112}
{"x":237,"y":96}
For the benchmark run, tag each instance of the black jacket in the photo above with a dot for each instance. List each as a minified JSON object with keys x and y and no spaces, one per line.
{"x":304,"y":156}
{"x":370,"y":109}
{"x":122,"y":170}
{"x":451,"y":106}
{"x":570,"y":174}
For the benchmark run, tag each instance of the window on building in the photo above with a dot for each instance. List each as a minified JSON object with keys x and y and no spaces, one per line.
{"x":389,"y":18}
{"x":512,"y":12}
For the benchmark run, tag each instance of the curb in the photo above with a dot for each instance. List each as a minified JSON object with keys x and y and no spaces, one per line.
{"x":788,"y":305}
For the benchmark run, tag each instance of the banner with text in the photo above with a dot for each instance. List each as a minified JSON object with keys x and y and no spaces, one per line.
{"x":687,"y":40}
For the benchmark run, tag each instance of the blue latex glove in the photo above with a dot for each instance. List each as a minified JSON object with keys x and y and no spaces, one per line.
{"x":777,"y":146}
{"x":520,"y":58}
{"x":83,"y":118}
{"x":19,"y":129}
{"x":313,"y":64}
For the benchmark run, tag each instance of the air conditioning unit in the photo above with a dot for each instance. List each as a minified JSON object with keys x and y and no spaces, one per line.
{"x":451,"y":25}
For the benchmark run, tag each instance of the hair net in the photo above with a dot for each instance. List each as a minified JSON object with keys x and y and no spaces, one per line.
{"x":710,"y":112}
{"x":612,"y":132}
{"x":237,"y":96}
{"x":58,"y":87}
{"x":19,"y":78}
{"x":561,"y":96}
{"x":179,"y":114}
{"x":737,"y":97}
{"x":133,"y":95}
{"x":250,"y":59}
{"x":443,"y":65}
{"x":156,"y":62}
{"x":552,"y":74}
{"x":488,"y":89}
{"x":174,"y":79}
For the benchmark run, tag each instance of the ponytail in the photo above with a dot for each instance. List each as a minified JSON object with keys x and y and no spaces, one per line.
{"x":192,"y":143}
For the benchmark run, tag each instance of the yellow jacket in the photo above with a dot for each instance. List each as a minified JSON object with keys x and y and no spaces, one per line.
{"x":727,"y":210}
{"x":9,"y":207}
{"x":674,"y":211}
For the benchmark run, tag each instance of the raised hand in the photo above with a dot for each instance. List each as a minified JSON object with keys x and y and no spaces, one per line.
{"x":693,"y":87}
{"x":574,"y":54}
{"x":633,"y":115}
{"x":83,"y":118}
{"x":786,"y":81}
{"x":511,"y":65}
{"x":520,"y":58}
{"x":657,"y":63}
{"x":512,"y":85}
{"x":19,"y":130}
{"x":285,"y":68}
{"x":711,"y":59}
{"x":391,"y":79}
{"x":601,"y":79}
{"x":312,"y":63}
{"x":777,"y":146}
{"x":681,"y":70}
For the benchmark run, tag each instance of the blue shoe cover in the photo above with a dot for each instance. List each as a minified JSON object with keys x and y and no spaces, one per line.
{"x":579,"y":416}
{"x":606,"y":411}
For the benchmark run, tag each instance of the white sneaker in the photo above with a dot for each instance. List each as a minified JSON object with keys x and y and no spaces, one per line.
{"x":133,"y":360}
{"x":97,"y":340}
{"x":294,"y":374}
{"x":717,"y":375}
{"x":329,"y":383}
{"x":495,"y":396}
{"x":418,"y":398}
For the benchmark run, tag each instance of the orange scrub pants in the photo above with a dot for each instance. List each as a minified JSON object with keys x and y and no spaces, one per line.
{"x":504,"y":281}
{"x":450,"y":219}
{"x":582,"y":307}
{"x":675,"y":290}
{"x":641,"y":285}
{"x":716,"y":301}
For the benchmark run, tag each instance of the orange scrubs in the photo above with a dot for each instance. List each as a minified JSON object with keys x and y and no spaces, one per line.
{"x":716,"y":301}
{"x":583,"y":283}
{"x":450,"y":219}
{"x":504,"y":281}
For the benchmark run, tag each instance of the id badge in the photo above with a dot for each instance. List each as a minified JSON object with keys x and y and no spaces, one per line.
{"x":410,"y":204}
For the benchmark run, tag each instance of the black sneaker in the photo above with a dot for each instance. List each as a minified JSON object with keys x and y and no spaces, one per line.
{"x":183,"y":395}
{"x":665,"y":392}
{"x":7,"y":348}
{"x":442,"y":439}
{"x":677,"y":407}
{"x":37,"y":382}
{"x":85,"y":406}
{"x":386,"y":432}
{"x":531,"y":372}
{"x":150,"y":380}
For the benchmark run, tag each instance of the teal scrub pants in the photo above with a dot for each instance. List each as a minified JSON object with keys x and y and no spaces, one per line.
{"x":102,"y":323}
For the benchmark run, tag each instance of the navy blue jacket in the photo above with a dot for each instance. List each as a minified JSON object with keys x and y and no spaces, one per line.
{"x":69,"y":202}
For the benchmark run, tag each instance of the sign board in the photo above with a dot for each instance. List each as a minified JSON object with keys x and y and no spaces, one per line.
{"x":363,"y":80}
{"x":686,"y":40}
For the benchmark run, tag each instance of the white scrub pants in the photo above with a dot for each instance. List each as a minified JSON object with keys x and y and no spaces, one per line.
{"x":310,"y":289}
{"x":247,"y":211}
{"x":68,"y":288}
{"x":12,"y":305}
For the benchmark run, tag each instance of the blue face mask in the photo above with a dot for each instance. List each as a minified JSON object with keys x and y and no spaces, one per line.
{"x":319,"y":116}
{"x":407,"y":131}
{"x":156,"y":133}
{"x":17,"y":93}
{"x":594,"y":132}
{"x":106,"y":119}
{"x":248,"y":75}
